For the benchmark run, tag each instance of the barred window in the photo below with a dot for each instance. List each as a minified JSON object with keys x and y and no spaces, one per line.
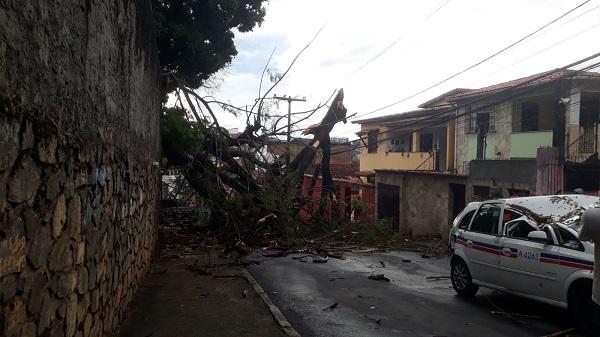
{"x":482,"y":118}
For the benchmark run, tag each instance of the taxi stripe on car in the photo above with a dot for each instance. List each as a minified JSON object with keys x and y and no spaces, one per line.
{"x":487,"y":248}
{"x":567,"y":261}
{"x":544,"y":257}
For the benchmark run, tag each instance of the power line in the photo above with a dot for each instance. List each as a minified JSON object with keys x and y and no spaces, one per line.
{"x":465,"y":113}
{"x":482,"y":98}
{"x":562,"y":41}
{"x":532,"y":79}
{"x":540,"y":51}
{"x":289,"y":99}
{"x":477,"y":63}
{"x":398,"y":39}
{"x":531,"y":55}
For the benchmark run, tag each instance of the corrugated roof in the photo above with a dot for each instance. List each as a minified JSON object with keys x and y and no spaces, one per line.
{"x":444,"y":95}
{"x":400,"y":116}
{"x":524,"y":82}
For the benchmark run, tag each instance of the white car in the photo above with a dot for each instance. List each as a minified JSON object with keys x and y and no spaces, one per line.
{"x":529,"y":247}
{"x":462,"y":221}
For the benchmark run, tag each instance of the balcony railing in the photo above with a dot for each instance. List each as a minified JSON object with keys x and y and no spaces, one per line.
{"x":585,"y":146}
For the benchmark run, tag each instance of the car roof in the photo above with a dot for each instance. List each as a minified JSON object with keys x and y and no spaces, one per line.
{"x":552,"y":208}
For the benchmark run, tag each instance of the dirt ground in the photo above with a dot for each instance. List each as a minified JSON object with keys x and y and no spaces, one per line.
{"x":178,"y":299}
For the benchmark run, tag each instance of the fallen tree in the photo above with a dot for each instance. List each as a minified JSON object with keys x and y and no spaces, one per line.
{"x":247,"y":190}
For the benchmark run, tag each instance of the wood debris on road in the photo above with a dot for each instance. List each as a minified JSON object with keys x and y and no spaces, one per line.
{"x":378,"y":277}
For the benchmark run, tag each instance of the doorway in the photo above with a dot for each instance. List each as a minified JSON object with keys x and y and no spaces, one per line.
{"x":459,"y":194}
{"x":388,"y":203}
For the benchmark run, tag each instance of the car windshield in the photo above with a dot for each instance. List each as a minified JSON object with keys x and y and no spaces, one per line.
{"x":575,"y":225}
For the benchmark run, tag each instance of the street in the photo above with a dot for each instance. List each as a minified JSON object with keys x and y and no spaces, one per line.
{"x":409,"y":305}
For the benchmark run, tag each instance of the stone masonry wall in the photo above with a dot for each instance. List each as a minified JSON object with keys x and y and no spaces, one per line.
{"x":79,"y":132}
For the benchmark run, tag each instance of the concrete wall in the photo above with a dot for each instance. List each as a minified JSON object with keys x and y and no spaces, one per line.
{"x":526,"y":144}
{"x":425,"y":201}
{"x":79,"y":109}
{"x":396,"y":161}
{"x":502,"y":177}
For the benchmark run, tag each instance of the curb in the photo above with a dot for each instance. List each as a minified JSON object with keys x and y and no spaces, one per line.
{"x":283,"y":323}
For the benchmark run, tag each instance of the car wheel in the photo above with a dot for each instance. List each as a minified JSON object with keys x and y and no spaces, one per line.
{"x":581,"y":307}
{"x":461,"y":279}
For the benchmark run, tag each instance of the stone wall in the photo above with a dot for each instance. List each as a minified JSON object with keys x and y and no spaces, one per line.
{"x":79,"y":110}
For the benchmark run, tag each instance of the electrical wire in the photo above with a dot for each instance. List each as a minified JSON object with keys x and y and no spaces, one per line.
{"x":393,"y":43}
{"x":485,"y":97}
{"x":529,"y":81}
{"x":477,"y":63}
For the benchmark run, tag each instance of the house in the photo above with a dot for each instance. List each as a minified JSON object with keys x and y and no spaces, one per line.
{"x":391,"y":142}
{"x":530,"y":136}
{"x":502,"y":129}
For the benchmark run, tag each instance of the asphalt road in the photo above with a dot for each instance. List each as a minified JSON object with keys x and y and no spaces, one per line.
{"x":409,"y":305}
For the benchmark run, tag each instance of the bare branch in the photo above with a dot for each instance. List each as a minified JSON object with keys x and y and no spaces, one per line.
{"x":283,"y":75}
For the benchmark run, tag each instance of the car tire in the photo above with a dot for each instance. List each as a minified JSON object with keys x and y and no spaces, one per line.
{"x":461,"y":279}
{"x":581,"y":307}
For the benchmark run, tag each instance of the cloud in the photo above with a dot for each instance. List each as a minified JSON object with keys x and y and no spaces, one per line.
{"x":459,"y":35}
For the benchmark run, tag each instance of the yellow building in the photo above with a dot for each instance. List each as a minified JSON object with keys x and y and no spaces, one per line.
{"x":412,"y":140}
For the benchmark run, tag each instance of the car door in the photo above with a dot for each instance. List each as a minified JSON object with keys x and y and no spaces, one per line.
{"x":481,"y":243}
{"x":523,"y":261}
{"x":571,"y":257}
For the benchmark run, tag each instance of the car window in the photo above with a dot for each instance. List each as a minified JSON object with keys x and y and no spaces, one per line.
{"x":510,"y":215}
{"x":464,"y":222}
{"x":519,"y":229}
{"x":568,"y":240}
{"x":486,"y":219}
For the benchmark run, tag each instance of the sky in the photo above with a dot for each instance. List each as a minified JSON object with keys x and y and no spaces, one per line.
{"x":419,"y":43}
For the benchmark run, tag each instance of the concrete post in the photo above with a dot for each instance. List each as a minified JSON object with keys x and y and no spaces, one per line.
{"x":450,"y":134}
{"x":416,"y":142}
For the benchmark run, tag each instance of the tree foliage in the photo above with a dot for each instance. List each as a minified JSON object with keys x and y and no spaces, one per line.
{"x":195,"y":37}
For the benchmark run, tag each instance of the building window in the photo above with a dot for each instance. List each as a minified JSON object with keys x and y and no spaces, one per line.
{"x":426,"y":142}
{"x":400,"y":143}
{"x":590,"y":109}
{"x":470,"y":123}
{"x":481,"y":119}
{"x":526,"y":117}
{"x":372,"y":145}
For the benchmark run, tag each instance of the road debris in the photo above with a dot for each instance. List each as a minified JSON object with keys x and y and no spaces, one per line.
{"x":376,"y":320}
{"x":406,"y":260}
{"x":437,"y":278}
{"x":365,"y":297}
{"x":244,"y":293}
{"x":332,"y":307}
{"x":440,"y":249}
{"x":382,"y":264}
{"x":331,"y":279}
{"x":319,"y":259}
{"x":562,"y":333}
{"x":378,"y":277}
{"x":512,"y":314}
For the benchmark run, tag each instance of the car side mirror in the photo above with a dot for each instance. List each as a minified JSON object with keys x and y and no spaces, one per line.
{"x":538,"y":236}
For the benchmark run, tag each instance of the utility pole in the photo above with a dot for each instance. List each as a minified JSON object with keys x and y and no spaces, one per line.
{"x":289,"y":99}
